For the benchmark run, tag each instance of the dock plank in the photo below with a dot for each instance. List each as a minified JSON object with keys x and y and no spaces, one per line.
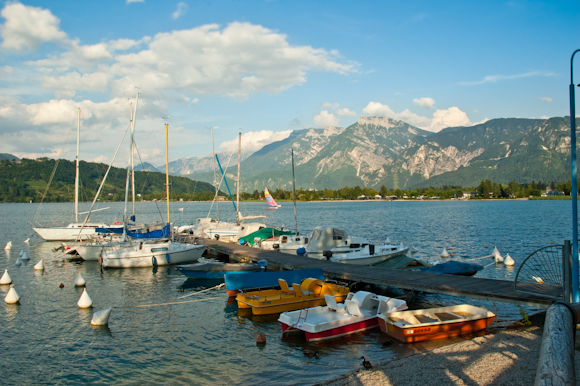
{"x":462,"y":286}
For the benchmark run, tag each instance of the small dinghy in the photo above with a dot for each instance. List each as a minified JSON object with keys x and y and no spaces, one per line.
{"x":309,"y":293}
{"x":212,"y":269}
{"x":256,"y":281}
{"x":454,"y":268}
{"x":435,"y":323}
{"x":358,"y":313}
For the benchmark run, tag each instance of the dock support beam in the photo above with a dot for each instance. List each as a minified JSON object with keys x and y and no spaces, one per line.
{"x":556,"y":363}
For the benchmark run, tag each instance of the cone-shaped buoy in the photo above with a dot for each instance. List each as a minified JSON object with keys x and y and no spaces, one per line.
{"x":40,"y":265}
{"x":12,"y":297}
{"x":5,"y":279}
{"x":101,"y":318}
{"x":27,"y":240}
{"x":508,"y":260}
{"x":25,"y":256}
{"x":496,"y":255}
{"x":261,"y":339}
{"x":8,"y":245}
{"x":388,"y":241}
{"x":21,"y":252}
{"x":85,"y":300}
{"x":444,"y":253}
{"x":18,"y":262}
{"x":80,"y":281}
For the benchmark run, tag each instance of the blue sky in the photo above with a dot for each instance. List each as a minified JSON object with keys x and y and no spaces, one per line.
{"x":268,"y":67}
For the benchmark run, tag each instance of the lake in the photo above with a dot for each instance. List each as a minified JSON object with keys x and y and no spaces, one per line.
{"x":48,"y":339}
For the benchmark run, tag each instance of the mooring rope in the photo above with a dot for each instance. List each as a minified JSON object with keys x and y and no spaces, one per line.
{"x":181,"y":297}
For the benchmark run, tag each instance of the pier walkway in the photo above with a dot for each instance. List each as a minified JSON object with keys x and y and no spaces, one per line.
{"x":462,"y":286}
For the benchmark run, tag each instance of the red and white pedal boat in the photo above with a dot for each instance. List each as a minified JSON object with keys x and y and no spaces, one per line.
{"x":358,"y":313}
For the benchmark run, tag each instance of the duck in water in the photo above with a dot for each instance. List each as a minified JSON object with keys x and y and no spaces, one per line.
{"x":366,"y":364}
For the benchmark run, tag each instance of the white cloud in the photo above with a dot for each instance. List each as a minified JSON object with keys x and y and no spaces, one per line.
{"x":344,"y":112}
{"x":326,"y":119}
{"x":255,"y":140}
{"x":328,"y":105}
{"x":450,"y":117}
{"x":498,"y":78}
{"x":234,"y":61}
{"x":181,"y":10}
{"x":6,"y":70}
{"x":546,"y":99}
{"x":28,"y":27}
{"x":426,"y":103}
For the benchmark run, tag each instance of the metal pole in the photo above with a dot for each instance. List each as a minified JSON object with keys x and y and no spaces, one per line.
{"x":217,"y":203}
{"x":567,"y":272}
{"x":574,"y":190}
{"x":167,"y":170}
{"x":294,"y":195}
{"x":238,"y":184}
{"x":77,"y":175}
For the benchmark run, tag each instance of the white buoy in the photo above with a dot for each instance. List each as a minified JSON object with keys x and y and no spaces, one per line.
{"x":508,"y":260}
{"x":101,"y":318}
{"x":12,"y":297}
{"x":8,"y":245}
{"x":21,"y":252}
{"x":27,"y":240}
{"x":80,"y":281}
{"x":25,"y":256}
{"x":181,"y":210}
{"x":40,"y":265}
{"x":18,"y":262}
{"x":445,"y":253}
{"x":5,"y":279}
{"x":85,"y":300}
{"x":388,"y":241}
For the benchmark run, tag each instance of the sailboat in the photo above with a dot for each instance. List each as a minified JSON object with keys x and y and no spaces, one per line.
{"x":152,"y":253}
{"x":77,"y":230}
{"x":229,"y":231}
{"x":271,"y":202}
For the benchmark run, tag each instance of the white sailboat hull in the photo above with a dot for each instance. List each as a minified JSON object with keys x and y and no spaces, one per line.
{"x":148,"y":255}
{"x":68,"y":233}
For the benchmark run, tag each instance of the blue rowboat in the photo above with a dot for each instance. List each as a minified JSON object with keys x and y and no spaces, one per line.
{"x":236,"y":281}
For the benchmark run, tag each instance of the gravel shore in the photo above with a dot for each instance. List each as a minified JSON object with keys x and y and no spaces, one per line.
{"x":508,"y":357}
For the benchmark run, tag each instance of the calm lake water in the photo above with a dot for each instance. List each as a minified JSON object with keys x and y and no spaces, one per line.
{"x":48,"y":339}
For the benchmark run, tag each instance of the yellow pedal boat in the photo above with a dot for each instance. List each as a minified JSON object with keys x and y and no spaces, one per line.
{"x":309,"y":293}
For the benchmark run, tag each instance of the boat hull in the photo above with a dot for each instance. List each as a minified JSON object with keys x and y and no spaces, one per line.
{"x":337,"y":331}
{"x":149,"y":257}
{"x":438,"y":330}
{"x":250,"y":281}
{"x":215,"y":270}
{"x":68,"y":233}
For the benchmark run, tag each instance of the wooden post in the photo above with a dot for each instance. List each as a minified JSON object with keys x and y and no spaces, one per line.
{"x":556,"y":363}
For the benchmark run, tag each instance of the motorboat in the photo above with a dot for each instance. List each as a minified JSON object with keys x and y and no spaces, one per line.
{"x":213,"y":269}
{"x":337,"y":246}
{"x":435,"y":323}
{"x":285,"y":243}
{"x":309,"y":293}
{"x":151,"y":254}
{"x":263,"y":236}
{"x":252,"y":281}
{"x":358,"y":313}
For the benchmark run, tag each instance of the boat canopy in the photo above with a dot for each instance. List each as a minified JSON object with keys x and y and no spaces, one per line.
{"x":326,"y":239}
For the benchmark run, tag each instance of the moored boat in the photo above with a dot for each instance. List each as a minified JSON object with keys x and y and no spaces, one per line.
{"x":309,"y":293}
{"x":435,"y":323}
{"x":212,"y":269}
{"x":358,"y":313}
{"x":150,"y":254}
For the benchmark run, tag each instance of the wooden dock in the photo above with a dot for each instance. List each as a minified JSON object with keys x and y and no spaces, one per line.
{"x":462,"y":286}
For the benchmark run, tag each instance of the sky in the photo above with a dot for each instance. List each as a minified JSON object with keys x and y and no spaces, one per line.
{"x":267,"y":67}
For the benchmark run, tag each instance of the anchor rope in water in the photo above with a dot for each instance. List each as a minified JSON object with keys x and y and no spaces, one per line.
{"x":478,"y":258}
{"x":173,"y":303}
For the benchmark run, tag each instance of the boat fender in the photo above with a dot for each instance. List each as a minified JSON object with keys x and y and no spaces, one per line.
{"x":275,"y":246}
{"x":242,"y":241}
{"x":217,"y":237}
{"x":167,"y":257}
{"x":154,"y":261}
{"x":263,"y":264}
{"x":327,"y":254}
{"x":301,"y":251}
{"x":141,"y":245}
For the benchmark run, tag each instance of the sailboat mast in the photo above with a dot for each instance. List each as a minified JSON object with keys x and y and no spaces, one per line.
{"x":134,"y":117}
{"x":167,"y":171}
{"x":294,"y":195}
{"x":238,"y":184}
{"x":217,"y":203}
{"x":77,"y":167}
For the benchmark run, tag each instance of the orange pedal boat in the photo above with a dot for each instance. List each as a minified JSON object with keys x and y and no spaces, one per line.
{"x":435,"y":323}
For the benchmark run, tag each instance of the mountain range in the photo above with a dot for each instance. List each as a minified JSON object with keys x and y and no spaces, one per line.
{"x":378,"y":151}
